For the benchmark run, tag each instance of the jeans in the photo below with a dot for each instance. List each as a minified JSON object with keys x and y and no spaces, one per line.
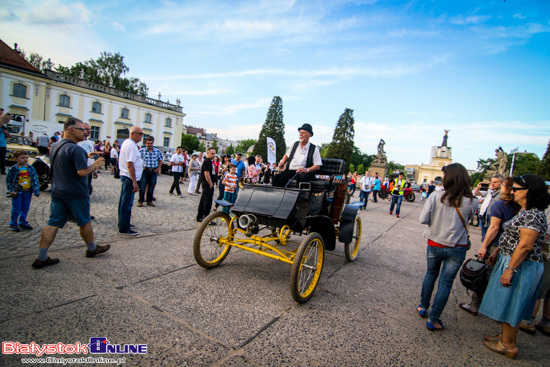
{"x":352,"y":189}
{"x":221,"y":189}
{"x":364,"y":198}
{"x":149,"y":180}
{"x":374,"y":194}
{"x":90,"y":187}
{"x":483,"y":231}
{"x":20,"y":207}
{"x":176,"y":182}
{"x":396,"y":199}
{"x":445,"y":263}
{"x":3,"y":159}
{"x":125,"y":204}
{"x":230,"y":197}
{"x":205,"y":205}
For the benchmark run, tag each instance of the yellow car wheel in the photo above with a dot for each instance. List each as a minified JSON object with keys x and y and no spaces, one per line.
{"x":208,"y":247}
{"x":352,"y":248}
{"x":307,"y":267}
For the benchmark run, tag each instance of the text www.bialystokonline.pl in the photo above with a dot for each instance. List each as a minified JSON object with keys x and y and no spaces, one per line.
{"x":64,"y":361}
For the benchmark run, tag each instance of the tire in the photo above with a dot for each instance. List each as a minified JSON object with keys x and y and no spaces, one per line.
{"x":352,"y":248}
{"x":383,"y":194}
{"x":207,"y":250}
{"x":307,"y":267}
{"x":410,"y":197}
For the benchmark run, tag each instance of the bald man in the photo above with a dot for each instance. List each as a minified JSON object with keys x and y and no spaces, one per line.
{"x":130,"y":165}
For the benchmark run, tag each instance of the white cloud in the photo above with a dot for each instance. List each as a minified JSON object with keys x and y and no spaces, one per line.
{"x":468,"y":20}
{"x":519,"y":16}
{"x":118,"y":27}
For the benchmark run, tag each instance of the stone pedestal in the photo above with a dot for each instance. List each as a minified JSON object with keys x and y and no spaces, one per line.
{"x":382,"y":170}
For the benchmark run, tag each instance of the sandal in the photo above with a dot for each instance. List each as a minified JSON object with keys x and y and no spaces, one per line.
{"x":493,"y":339}
{"x":497,"y":346}
{"x":421,"y":312}
{"x":433,"y":326}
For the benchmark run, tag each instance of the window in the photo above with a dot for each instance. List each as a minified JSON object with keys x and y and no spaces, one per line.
{"x":168,"y":122}
{"x":64,"y":100}
{"x":96,"y":107}
{"x":94,"y":134}
{"x":19,"y":90}
{"x":148,"y":118}
{"x":167,"y":142}
{"x":124,"y":113}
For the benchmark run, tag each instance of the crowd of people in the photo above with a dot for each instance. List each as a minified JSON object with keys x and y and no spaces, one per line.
{"x":514,"y":225}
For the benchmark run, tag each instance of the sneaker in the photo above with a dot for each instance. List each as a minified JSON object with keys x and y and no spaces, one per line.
{"x":37,"y":264}
{"x":544,"y":327}
{"x":25,"y":226}
{"x":140,"y":205}
{"x":98,"y":250}
{"x":171,"y":193}
{"x":154,"y":198}
{"x":391,"y":213}
{"x":397,"y":215}
{"x":130,"y":232}
{"x":15,"y":229}
{"x":180,"y":195}
{"x":150,"y":204}
{"x":468,"y":308}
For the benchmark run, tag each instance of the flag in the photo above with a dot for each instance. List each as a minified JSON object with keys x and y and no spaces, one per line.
{"x":271,"y":149}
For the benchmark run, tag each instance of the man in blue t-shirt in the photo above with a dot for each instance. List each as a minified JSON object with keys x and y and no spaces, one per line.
{"x":4,"y":119}
{"x":240,"y":169}
{"x":69,"y":193}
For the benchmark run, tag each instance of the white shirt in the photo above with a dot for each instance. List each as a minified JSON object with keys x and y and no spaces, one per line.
{"x":300,"y":157}
{"x":177,"y":158}
{"x":366,"y":183}
{"x":88,"y":147}
{"x":129,"y":152}
{"x":114,"y":153}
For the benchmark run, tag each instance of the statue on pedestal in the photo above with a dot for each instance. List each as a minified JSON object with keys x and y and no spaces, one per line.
{"x":499,"y":166}
{"x":381,"y":155}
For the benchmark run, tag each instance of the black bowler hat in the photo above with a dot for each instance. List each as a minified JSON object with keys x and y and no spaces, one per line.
{"x":306,"y":127}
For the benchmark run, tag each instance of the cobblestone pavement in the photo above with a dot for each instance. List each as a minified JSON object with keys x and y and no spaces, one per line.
{"x":171,"y":213}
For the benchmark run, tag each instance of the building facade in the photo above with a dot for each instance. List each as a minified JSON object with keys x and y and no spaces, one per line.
{"x":43,"y":101}
{"x":440,"y":157}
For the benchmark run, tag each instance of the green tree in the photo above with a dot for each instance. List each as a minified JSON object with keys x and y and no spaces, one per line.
{"x":189,"y":142}
{"x":244,"y":145}
{"x":342,"y":139}
{"x":230,"y":150}
{"x":323,"y":148}
{"x":525,"y":163}
{"x":273,"y":127}
{"x":109,"y":69}
{"x":202,"y":148}
{"x":215,"y":145}
{"x":543,"y":168}
{"x":392,"y":167}
{"x":361,"y":169}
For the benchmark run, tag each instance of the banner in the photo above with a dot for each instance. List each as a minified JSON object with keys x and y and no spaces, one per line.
{"x":271,"y":149}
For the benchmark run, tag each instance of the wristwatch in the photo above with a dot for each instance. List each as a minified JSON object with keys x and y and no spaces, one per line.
{"x":307,"y":170}
{"x":514,"y":270}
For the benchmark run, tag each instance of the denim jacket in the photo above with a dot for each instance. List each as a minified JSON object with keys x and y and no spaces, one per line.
{"x":13,"y":173}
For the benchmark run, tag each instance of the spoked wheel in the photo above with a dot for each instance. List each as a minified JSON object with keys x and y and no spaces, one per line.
{"x":208,"y":249}
{"x":352,"y":248}
{"x":307,"y":267}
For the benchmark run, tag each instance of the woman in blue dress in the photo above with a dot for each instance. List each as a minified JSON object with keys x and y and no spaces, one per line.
{"x":515,"y":281}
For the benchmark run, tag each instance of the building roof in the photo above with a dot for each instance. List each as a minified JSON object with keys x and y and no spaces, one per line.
{"x":10,"y":57}
{"x":195,"y":130}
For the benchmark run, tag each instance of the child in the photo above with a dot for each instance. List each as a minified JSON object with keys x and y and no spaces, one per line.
{"x":22,"y":182}
{"x":230,"y":182}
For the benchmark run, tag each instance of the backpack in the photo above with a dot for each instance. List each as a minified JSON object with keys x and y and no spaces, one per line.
{"x":474,"y":275}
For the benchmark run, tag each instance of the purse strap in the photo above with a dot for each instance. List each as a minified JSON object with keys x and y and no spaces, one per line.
{"x":461,"y":219}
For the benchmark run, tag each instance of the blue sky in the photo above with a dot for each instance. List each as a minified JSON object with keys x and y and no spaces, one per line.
{"x":408,"y":69}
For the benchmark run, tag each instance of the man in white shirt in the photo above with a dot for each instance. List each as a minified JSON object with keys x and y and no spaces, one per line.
{"x":303,"y":159}
{"x":88,"y":147}
{"x":177,"y":162}
{"x":130,"y":165}
{"x":366,"y":183}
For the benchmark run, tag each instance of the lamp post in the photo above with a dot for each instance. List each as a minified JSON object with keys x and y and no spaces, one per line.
{"x":513,"y":152}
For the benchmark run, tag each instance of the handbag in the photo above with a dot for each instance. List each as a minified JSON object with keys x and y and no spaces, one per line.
{"x":473,"y":275}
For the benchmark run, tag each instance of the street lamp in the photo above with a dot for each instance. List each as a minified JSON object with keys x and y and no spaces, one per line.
{"x":513,"y":152}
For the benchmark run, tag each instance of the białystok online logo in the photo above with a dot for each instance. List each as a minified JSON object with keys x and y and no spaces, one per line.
{"x":97,"y":345}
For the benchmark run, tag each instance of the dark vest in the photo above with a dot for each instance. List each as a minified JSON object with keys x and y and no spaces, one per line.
{"x":309,"y":161}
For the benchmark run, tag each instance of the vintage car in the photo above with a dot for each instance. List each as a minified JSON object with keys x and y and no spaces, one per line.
{"x":267,"y":219}
{"x":18,"y":142}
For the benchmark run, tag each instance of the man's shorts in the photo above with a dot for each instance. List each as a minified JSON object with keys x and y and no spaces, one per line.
{"x":61,"y":209}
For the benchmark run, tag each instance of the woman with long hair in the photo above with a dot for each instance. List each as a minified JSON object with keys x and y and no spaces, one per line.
{"x":501,"y":212}
{"x":515,"y":281}
{"x":446,"y":213}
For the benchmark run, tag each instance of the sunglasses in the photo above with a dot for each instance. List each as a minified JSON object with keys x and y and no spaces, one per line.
{"x":514,"y":189}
